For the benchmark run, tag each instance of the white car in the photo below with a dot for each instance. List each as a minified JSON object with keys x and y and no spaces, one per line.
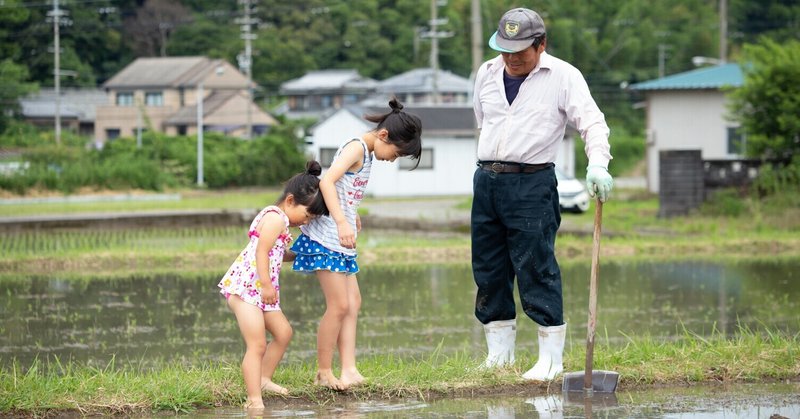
{"x":572,"y":193}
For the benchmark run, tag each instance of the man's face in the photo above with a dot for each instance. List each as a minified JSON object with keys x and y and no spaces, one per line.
{"x":519,"y":64}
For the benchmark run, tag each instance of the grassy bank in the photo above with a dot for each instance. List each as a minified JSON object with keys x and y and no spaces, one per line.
{"x":56,"y":388}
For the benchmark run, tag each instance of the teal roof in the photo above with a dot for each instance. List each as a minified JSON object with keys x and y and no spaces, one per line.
{"x":703,"y":78}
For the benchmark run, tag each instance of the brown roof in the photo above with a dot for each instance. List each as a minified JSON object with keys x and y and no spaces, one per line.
{"x":162,"y":72}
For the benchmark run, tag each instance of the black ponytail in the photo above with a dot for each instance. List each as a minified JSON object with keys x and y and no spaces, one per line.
{"x":305,"y":189}
{"x":405,"y":129}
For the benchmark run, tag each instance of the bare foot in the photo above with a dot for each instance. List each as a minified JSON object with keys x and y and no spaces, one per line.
{"x":254,"y":404}
{"x":352,"y":378}
{"x":327,"y":379}
{"x":270,"y":387}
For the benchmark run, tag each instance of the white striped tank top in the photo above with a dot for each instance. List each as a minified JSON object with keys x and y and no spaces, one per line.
{"x":350,"y":189}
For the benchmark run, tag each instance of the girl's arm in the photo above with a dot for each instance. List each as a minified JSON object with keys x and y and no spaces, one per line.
{"x":350,"y":159}
{"x":269,"y":228}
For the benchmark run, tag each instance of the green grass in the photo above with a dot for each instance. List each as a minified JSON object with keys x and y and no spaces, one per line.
{"x":189,"y":200}
{"x":48,"y":388}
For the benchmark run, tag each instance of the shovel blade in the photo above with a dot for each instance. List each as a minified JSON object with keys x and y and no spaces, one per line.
{"x":602,"y":381}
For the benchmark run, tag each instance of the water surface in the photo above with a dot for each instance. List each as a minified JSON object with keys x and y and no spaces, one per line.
{"x":411,"y":311}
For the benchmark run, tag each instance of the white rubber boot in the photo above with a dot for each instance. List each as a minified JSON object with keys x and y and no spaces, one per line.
{"x":501,"y":336}
{"x":551,"y":349}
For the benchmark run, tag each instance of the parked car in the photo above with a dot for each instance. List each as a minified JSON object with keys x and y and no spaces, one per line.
{"x":572,"y":193}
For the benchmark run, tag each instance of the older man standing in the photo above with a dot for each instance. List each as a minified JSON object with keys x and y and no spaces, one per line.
{"x":523,"y":100}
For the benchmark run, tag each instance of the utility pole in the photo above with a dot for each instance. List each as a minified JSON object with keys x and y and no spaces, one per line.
{"x":246,"y":59}
{"x":662,"y":56}
{"x":477,"y":36}
{"x":435,"y":35}
{"x":56,"y":15}
{"x":723,"y":31}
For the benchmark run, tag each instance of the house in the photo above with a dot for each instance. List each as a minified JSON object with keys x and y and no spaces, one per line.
{"x":162,"y":94}
{"x":321,"y":91}
{"x":76,"y":108}
{"x":448,"y":156}
{"x":448,"y":150}
{"x":418,"y":86}
{"x":687,"y":111}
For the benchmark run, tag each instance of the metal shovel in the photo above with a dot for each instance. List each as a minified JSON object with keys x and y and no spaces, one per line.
{"x":590,"y":381}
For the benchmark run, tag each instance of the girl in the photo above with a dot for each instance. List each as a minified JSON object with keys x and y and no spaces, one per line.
{"x":327,"y":245}
{"x":251,"y":283}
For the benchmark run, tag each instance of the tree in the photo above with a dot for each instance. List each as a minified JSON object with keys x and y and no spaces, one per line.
{"x":13,"y":85}
{"x":768,"y":103}
{"x":153,"y":24}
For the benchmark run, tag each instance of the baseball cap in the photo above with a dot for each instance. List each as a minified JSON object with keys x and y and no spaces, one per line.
{"x":517,"y":30}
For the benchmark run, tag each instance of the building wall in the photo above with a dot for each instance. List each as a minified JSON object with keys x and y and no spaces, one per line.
{"x":685,"y":120}
{"x":453,"y":160}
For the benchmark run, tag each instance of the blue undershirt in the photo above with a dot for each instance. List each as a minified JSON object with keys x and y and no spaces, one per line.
{"x":512,"y":85}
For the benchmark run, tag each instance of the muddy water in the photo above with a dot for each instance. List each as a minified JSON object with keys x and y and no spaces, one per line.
{"x":700,"y":402}
{"x":406,"y":311}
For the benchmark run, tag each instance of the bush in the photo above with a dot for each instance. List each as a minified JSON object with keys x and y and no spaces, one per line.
{"x":724,"y":203}
{"x":160,"y":163}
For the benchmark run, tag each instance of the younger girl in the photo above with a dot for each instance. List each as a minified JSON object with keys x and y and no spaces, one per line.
{"x":327,"y":245}
{"x":251,"y":283}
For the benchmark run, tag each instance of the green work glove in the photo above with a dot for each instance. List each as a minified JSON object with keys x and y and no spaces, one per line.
{"x":599,"y":182}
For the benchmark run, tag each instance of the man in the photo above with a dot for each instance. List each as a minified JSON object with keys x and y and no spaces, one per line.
{"x":523,"y":100}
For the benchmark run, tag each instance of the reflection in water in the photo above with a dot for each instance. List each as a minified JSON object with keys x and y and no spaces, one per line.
{"x":407,"y":311}
{"x":707,"y":402}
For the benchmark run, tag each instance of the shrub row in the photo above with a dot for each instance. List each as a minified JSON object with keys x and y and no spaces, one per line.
{"x":161,"y":162}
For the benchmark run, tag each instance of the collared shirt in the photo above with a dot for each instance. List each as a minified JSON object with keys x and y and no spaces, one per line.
{"x":530,"y":129}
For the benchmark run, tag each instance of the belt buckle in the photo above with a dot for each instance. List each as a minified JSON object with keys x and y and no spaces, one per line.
{"x":497,"y":167}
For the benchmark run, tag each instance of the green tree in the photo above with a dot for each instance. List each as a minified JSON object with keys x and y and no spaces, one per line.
{"x":768,"y":103}
{"x":13,"y":85}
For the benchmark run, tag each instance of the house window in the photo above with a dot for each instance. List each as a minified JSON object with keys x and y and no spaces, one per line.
{"x":124,"y":98}
{"x":326,"y":156}
{"x":736,"y":141}
{"x":182,"y":130}
{"x":153,"y":99}
{"x":425,"y":160}
{"x":112,"y":133}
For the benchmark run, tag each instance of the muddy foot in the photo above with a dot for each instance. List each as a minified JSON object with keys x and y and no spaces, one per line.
{"x":270,"y":387}
{"x":254,"y":405}
{"x":327,"y":379}
{"x":352,"y":378}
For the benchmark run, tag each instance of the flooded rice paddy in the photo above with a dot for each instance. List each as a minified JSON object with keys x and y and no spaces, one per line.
{"x":773,"y":401}
{"x":407,"y":311}
{"x":413,"y":311}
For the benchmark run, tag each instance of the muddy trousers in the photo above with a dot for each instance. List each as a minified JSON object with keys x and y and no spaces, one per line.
{"x":515,"y":217}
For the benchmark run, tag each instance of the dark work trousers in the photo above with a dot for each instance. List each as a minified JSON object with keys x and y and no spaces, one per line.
{"x":515,"y":217}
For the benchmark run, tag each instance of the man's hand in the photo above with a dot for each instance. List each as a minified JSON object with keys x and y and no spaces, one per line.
{"x":599,"y":182}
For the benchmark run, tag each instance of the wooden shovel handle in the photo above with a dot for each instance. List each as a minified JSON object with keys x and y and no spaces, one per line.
{"x":598,"y":218}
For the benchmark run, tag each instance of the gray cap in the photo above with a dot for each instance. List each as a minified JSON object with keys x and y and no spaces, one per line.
{"x":517,"y":30}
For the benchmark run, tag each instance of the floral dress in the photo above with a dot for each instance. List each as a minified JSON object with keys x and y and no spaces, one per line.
{"x":242,"y":277}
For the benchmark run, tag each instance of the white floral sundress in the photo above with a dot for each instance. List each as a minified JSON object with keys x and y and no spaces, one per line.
{"x":242,"y":277}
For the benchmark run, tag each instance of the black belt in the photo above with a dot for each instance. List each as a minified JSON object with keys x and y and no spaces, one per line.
{"x":510,"y":167}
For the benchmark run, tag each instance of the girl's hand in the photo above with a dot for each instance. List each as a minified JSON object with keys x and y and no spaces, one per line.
{"x":268,"y":295}
{"x":346,"y":235}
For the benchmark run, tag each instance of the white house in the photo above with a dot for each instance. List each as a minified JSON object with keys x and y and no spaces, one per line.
{"x":687,"y":111}
{"x":448,"y":150}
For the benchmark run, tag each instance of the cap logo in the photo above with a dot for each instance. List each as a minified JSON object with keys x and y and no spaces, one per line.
{"x":512,"y":28}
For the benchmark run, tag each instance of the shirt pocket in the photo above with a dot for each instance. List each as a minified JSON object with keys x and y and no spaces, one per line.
{"x":539,"y":120}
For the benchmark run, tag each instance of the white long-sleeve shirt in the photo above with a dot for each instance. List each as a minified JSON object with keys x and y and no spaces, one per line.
{"x":530,"y":129}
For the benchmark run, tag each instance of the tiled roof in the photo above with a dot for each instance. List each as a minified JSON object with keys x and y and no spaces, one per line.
{"x":704,"y":78}
{"x":75,"y":103}
{"x":421,"y":80}
{"x":328,"y":80}
{"x":162,"y":72}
